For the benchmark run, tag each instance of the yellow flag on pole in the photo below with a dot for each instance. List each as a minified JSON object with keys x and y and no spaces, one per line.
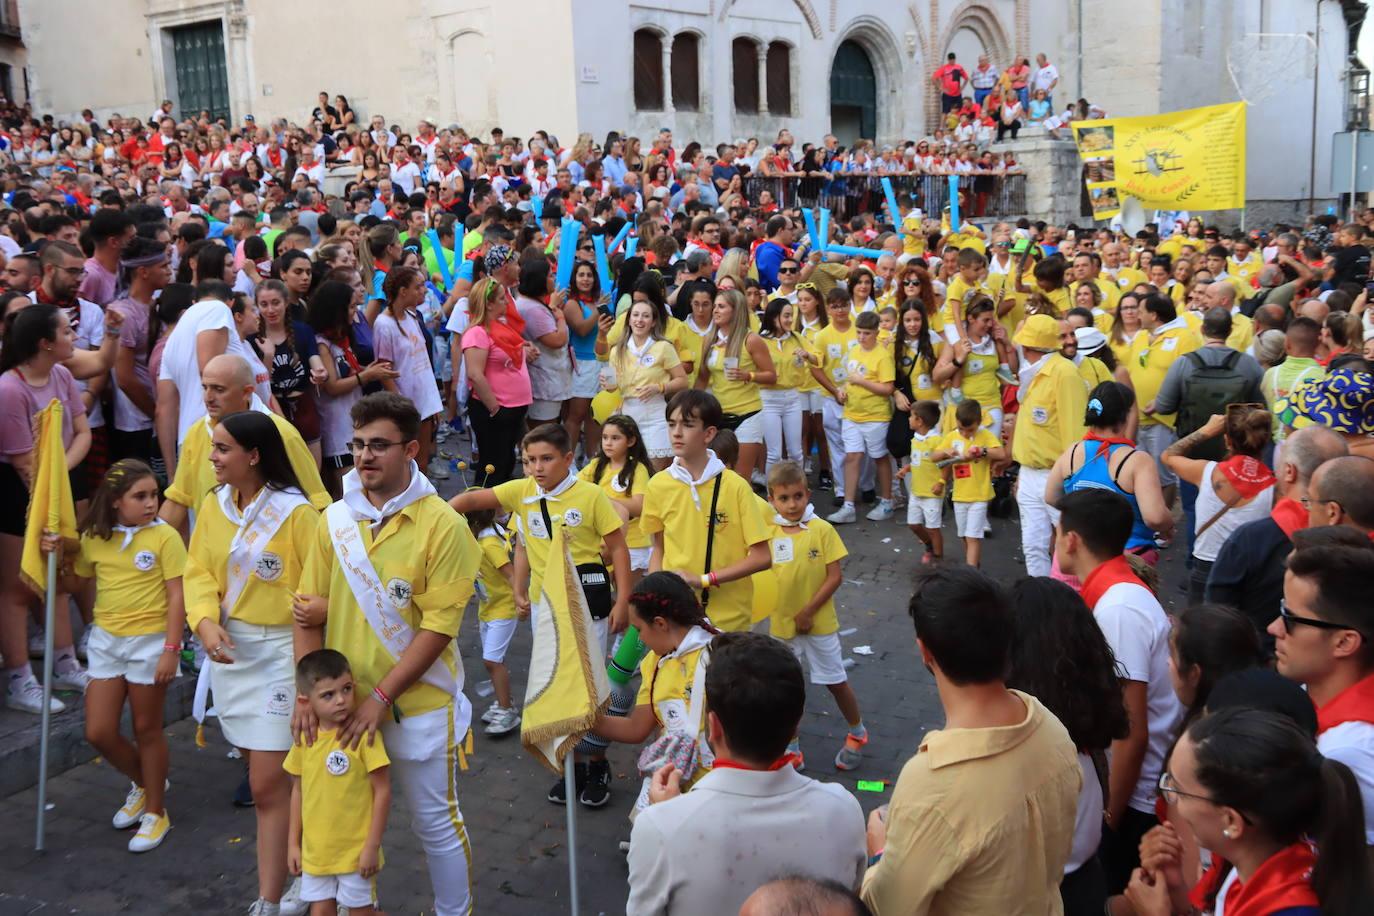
{"x":567,"y":686}
{"x":50,"y":500}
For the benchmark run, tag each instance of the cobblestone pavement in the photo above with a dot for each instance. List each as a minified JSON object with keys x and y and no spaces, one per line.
{"x":518,"y":838}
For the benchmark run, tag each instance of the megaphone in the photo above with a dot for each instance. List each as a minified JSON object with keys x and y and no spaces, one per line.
{"x":1132,"y":215}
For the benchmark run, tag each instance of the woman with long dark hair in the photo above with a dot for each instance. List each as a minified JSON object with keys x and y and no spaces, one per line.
{"x":249,"y":546}
{"x":1060,"y":657}
{"x":581,"y":311}
{"x":397,"y":336}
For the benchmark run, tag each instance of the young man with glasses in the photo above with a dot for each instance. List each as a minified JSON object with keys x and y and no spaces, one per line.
{"x":396,"y":567}
{"x":1324,"y":640}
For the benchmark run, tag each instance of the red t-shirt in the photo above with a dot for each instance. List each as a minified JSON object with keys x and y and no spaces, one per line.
{"x":948,"y":75}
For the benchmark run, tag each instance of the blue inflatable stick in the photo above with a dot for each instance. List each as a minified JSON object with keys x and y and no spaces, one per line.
{"x":567,"y":252}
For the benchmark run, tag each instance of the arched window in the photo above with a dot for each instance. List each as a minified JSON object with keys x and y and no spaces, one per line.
{"x":648,"y":74}
{"x":779,"y":79}
{"x":686,"y":79}
{"x":745,"y":57}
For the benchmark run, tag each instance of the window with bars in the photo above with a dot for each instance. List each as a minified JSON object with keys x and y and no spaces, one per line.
{"x":648,"y":72}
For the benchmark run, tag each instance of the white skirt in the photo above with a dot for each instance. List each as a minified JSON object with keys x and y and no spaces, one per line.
{"x":649,"y":416}
{"x":253,"y":696}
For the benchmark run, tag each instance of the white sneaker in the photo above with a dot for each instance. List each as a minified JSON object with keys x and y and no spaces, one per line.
{"x":291,"y":902}
{"x":490,"y":713}
{"x":261,"y":907}
{"x":73,"y":678}
{"x":132,"y":811}
{"x":881,"y":512}
{"x":757,"y":479}
{"x":808,"y":467}
{"x":83,"y":643}
{"x":26,"y":695}
{"x":845,"y":515}
{"x":152,"y":830}
{"x":437,"y":470}
{"x":505,"y":721}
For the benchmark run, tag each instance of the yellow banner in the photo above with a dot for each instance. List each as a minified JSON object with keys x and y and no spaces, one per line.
{"x":50,"y":501}
{"x":1183,"y":160}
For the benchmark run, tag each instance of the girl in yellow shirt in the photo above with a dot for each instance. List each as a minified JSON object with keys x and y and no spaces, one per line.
{"x":793,"y":358}
{"x":665,"y":611}
{"x":736,"y":364}
{"x":809,"y":320}
{"x":135,"y":646}
{"x":647,"y":370}
{"x":1125,"y":327}
{"x":496,"y":616}
{"x":621,"y":470}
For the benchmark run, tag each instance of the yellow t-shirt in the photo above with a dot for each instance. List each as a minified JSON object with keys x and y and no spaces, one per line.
{"x":737,"y":397}
{"x":980,"y":376}
{"x":652,"y":367}
{"x":739,"y":523}
{"x":914,"y":238}
{"x":336,"y":800}
{"x":799,"y":564}
{"x":1242,"y":332}
{"x":266,"y":598}
{"x":972,"y":479}
{"x":1246,"y":270}
{"x":195,"y":478}
{"x":131,"y":582}
{"x":1094,"y":372}
{"x":924,"y":472}
{"x":586,"y":514}
{"x":1016,"y":312}
{"x":1060,"y":298}
{"x":426,"y":550}
{"x":683,"y":338}
{"x":790,"y":359}
{"x":808,"y":334}
{"x":669,"y":693}
{"x":1128,"y":277}
{"x":834,"y":346}
{"x":1122,"y":351}
{"x":922,"y":370}
{"x":1150,"y":359}
{"x":693,"y":343}
{"x":862,"y":405}
{"x":495,"y":598}
{"x":961,"y":291}
{"x":610,"y":485}
{"x":1051,"y":415}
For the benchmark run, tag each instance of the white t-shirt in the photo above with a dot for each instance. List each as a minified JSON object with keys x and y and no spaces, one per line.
{"x":180,"y":364}
{"x":90,"y":335}
{"x":1087,"y":823}
{"x":1352,"y":743}
{"x":1137,"y":629}
{"x":1043,"y":78}
{"x":406,"y":177}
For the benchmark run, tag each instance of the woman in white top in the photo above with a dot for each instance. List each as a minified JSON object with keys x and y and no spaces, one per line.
{"x":398,"y":339}
{"x":1231,"y":492}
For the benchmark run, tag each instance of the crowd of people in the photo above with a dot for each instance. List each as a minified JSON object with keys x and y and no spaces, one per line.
{"x":265,"y":383}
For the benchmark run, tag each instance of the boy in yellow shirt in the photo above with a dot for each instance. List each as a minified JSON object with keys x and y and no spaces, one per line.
{"x":887,"y":326}
{"x":971,"y":450}
{"x":833,"y":342}
{"x":966,"y":286}
{"x":340,"y":796}
{"x":925,"y":508}
{"x":870,"y":373}
{"x":496,"y":616}
{"x":806,"y":553}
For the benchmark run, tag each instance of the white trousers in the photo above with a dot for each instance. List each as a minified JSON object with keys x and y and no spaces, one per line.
{"x":782,"y":424}
{"x":1037,"y":519}
{"x":832,"y":419}
{"x":424,"y":760}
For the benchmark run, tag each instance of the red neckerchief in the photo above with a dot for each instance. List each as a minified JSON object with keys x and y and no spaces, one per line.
{"x":1353,"y":704}
{"x":1289,"y":515}
{"x":1109,"y":440}
{"x":1282,"y":882}
{"x":721,"y":763}
{"x":69,"y":306}
{"x":1326,"y":360}
{"x":343,"y":343}
{"x":1248,"y":476}
{"x":1114,"y":572}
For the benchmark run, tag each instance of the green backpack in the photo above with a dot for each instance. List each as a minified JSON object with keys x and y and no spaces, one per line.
{"x":1205,"y":394}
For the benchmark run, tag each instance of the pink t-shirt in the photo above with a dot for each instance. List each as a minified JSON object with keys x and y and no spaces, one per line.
{"x":133,"y":335}
{"x":20,"y":401}
{"x":509,"y":382}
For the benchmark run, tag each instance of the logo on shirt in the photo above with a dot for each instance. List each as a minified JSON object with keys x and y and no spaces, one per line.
{"x":832,"y":351}
{"x":278,"y":700}
{"x":1041,"y":415}
{"x":144,"y":560}
{"x":269,"y":567}
{"x":975,"y":366}
{"x":572,"y":518}
{"x":813,"y":554}
{"x":537,"y":527}
{"x":336,"y":763}
{"x":782,"y":550}
{"x":398,"y":592}
{"x":646,"y":360}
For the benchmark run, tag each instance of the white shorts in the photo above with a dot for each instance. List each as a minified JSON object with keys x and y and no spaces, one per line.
{"x":639,"y":558}
{"x":823,"y":656}
{"x":353,"y":891}
{"x":750,"y":432}
{"x":649,"y":416}
{"x":253,"y":696}
{"x":866,"y":438}
{"x":1154,"y":439}
{"x":545,"y":411}
{"x":970,"y":518}
{"x":928,"y":511}
{"x":496,"y":636}
{"x":133,"y":658}
{"x":586,"y":381}
{"x":813,"y":399}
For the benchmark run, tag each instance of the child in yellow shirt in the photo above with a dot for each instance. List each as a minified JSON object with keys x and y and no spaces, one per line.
{"x":925,"y":508}
{"x":340,"y":796}
{"x":496,"y":616}
{"x":806,"y":563}
{"x":870,"y":376}
{"x":887,"y":326}
{"x":971,"y":449}
{"x":622,"y":471}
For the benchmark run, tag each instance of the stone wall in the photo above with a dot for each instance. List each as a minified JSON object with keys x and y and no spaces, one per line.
{"x":1053,"y":178}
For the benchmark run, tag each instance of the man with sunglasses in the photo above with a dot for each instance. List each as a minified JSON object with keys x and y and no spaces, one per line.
{"x":771,"y":253}
{"x":1324,"y":639}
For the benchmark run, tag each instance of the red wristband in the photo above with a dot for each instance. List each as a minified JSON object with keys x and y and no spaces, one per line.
{"x":381,"y":697}
{"x":715,"y":580}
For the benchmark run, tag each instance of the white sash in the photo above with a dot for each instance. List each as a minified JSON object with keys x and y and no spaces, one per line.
{"x":257,"y":525}
{"x":374,"y":600}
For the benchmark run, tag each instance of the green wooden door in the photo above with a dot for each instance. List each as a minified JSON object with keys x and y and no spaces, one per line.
{"x":853,"y":94}
{"x":200,"y":68}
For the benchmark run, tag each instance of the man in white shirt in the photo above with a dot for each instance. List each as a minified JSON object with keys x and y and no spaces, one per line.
{"x":753,"y":817}
{"x":983,"y":78}
{"x":1046,"y":77}
{"x":1093,"y":528}
{"x":1324,"y":640}
{"x":405,"y":174}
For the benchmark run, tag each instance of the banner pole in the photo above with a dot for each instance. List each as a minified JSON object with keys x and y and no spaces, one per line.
{"x":570,"y":793}
{"x":49,"y":617}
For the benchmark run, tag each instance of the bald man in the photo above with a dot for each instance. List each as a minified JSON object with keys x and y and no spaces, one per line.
{"x":1222,"y":294}
{"x":801,"y":896}
{"x":1342,"y":493}
{"x":1315,"y":309}
{"x":227,"y":386}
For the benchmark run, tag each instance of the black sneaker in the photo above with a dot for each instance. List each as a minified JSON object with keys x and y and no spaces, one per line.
{"x":824,"y":481}
{"x":558,"y":792}
{"x":597,"y":791}
{"x":869,"y":496}
{"x":243,"y":795}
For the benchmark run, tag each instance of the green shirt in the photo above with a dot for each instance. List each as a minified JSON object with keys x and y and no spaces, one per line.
{"x":1279,"y":381}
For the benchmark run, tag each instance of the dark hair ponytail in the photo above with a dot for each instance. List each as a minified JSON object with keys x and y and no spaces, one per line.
{"x":1109,"y":405}
{"x":1341,"y":877}
{"x":29,"y":327}
{"x":664,"y":594}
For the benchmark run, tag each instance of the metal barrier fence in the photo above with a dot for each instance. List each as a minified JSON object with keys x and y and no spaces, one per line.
{"x":849,"y":195}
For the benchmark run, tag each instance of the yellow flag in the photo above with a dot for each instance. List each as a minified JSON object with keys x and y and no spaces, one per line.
{"x":50,"y":501}
{"x":567,"y":686}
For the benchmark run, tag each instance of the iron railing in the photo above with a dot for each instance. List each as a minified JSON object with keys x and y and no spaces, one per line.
{"x":848,"y":195}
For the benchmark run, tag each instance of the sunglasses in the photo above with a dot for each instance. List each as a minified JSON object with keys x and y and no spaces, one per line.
{"x":787,"y":270}
{"x":1291,"y":620}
